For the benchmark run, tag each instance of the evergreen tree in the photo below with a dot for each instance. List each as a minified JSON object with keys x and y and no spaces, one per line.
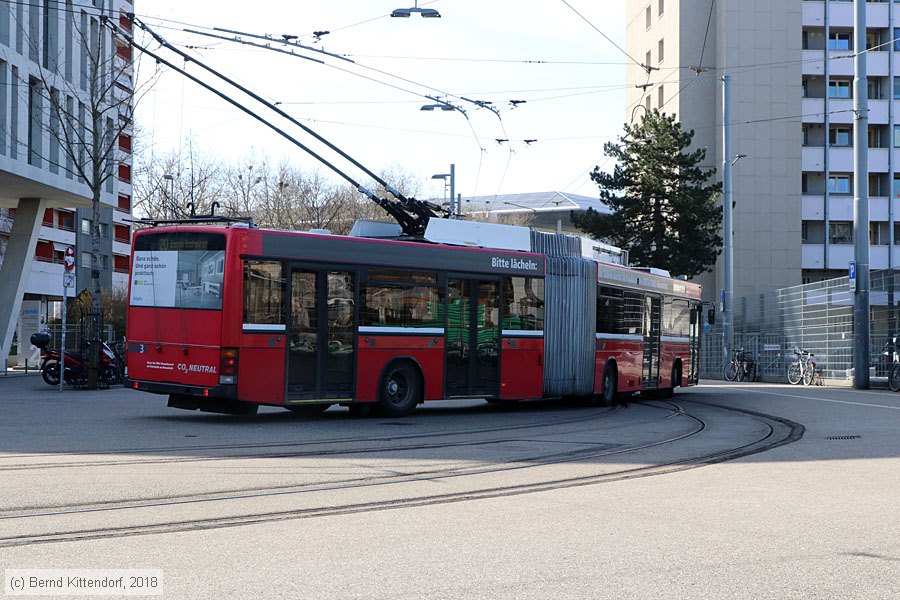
{"x":663,"y":210}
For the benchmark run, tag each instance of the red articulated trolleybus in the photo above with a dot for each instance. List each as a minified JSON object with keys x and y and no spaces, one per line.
{"x":225,"y":318}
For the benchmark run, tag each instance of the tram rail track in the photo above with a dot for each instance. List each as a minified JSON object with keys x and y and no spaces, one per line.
{"x":59,"y":464}
{"x":776,"y":432}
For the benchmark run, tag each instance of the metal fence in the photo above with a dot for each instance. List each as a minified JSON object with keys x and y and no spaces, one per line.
{"x":817,"y":317}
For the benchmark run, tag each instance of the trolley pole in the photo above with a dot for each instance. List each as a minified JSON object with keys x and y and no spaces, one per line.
{"x":861,"y":204}
{"x":727,"y":234}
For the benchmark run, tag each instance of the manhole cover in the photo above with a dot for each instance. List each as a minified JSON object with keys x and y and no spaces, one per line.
{"x":842,"y":437}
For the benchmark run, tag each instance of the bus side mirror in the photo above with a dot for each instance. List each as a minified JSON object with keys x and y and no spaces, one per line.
{"x":711,"y":316}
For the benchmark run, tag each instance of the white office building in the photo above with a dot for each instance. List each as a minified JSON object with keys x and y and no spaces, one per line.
{"x":44,"y":205}
{"x":792,"y":72}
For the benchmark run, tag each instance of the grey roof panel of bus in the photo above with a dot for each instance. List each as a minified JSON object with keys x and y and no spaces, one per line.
{"x":533,"y":202}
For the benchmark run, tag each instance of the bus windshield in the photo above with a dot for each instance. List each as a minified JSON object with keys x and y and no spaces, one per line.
{"x":178,"y":270}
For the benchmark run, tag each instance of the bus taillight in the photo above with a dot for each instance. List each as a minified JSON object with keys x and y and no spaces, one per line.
{"x":228,"y":362}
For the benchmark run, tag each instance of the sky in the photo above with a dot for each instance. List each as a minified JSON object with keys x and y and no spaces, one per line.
{"x":549,"y":53}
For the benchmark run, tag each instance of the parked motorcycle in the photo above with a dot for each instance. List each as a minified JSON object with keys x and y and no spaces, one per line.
{"x":76,"y":366}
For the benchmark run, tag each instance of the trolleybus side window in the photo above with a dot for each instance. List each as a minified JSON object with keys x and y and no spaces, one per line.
{"x":392,"y":298}
{"x":619,"y":312}
{"x":523,"y":304}
{"x":263,"y":293}
{"x":677,"y":318}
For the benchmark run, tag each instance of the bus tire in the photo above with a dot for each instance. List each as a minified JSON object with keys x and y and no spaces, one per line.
{"x":669,"y":392}
{"x":400,"y":390}
{"x":610,"y":382}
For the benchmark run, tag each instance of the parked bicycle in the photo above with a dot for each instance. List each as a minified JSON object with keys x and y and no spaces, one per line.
{"x":803,"y":368}
{"x":742,"y":366}
{"x":893,"y":358}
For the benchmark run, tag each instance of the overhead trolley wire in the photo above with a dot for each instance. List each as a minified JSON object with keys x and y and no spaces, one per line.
{"x":412,"y":224}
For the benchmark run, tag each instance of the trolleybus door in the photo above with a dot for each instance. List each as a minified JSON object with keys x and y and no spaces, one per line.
{"x":321,"y":348}
{"x":652,"y":319}
{"x":473,"y":337}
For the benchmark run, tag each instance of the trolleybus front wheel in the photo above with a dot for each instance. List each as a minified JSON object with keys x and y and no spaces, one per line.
{"x":400,"y":390}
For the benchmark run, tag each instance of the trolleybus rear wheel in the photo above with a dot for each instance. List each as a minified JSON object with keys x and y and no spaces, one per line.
{"x":608,"y":394}
{"x":400,"y":390}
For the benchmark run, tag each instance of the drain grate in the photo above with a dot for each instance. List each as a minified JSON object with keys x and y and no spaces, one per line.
{"x":842,"y":437}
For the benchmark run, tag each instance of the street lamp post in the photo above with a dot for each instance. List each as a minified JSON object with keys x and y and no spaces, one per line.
{"x":169,"y":206}
{"x":455,"y":208}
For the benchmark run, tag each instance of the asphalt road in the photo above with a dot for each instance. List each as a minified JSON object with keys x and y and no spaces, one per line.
{"x":725,"y":491}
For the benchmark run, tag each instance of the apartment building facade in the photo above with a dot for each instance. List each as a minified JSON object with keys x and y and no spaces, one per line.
{"x":792,"y":69}
{"x":42,"y":45}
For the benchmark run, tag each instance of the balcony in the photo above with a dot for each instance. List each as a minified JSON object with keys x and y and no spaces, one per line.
{"x":840,"y":208}
{"x":842,"y":111}
{"x":840,"y":255}
{"x":841,"y":159}
{"x":841,"y":14}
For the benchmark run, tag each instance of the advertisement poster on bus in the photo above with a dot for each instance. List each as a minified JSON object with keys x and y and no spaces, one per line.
{"x":154,"y":278}
{"x":178,"y":278}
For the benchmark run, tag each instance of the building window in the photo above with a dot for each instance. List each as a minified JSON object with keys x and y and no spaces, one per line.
{"x":839,"y":136}
{"x":649,"y":17}
{"x":896,"y":233}
{"x":839,"y":89}
{"x":660,"y":93}
{"x":647,"y":104}
{"x":86,"y":260}
{"x":804,"y":183}
{"x":839,"y":41}
{"x":647,"y":59}
{"x":873,"y":41}
{"x":662,"y":7}
{"x":661,"y":50}
{"x":35,"y":122}
{"x":874,"y":89}
{"x":804,"y":230}
{"x":840,"y":232}
{"x":66,"y":221}
{"x":86,"y":227}
{"x":104,"y":230}
{"x":839,"y":184}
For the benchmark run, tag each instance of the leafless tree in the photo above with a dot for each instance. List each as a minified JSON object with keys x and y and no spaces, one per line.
{"x":90,"y":117}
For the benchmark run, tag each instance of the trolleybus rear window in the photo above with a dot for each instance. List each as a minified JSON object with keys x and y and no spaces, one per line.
{"x":178,"y":270}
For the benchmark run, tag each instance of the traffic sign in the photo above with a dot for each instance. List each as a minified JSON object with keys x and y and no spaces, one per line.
{"x":852,"y":273}
{"x":68,"y":279}
{"x":69,"y":259}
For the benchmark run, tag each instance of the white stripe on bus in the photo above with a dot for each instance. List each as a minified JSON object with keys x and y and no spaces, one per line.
{"x":675,"y":340}
{"x":620,"y":336}
{"x":263,"y":327}
{"x":522,"y":333}
{"x":407,"y":330}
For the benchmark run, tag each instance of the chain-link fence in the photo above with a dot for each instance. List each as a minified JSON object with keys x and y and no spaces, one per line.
{"x":817,"y":317}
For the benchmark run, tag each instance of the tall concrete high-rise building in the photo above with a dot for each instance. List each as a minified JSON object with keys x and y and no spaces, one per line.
{"x":792,"y":70}
{"x":48,"y":87}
